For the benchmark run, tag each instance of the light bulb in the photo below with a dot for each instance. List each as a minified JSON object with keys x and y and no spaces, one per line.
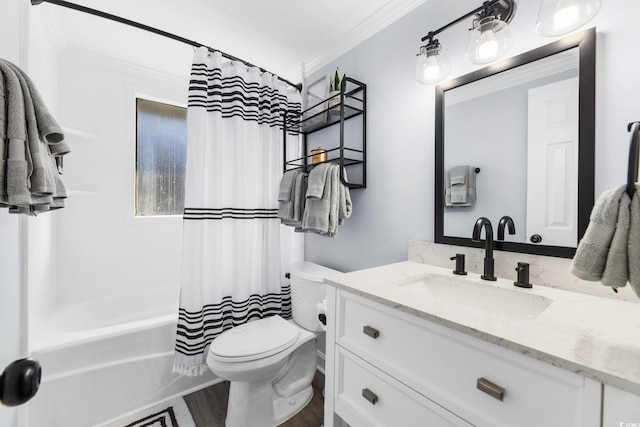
{"x":488,"y":46}
{"x":566,"y":17}
{"x":489,"y":40}
{"x":558,"y":17}
{"x":433,"y":65}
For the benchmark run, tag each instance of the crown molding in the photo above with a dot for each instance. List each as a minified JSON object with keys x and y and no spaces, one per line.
{"x":376,"y":22}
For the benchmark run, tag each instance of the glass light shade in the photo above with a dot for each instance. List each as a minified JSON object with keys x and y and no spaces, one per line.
{"x":558,"y":17}
{"x":490,"y":39}
{"x":433,"y":65}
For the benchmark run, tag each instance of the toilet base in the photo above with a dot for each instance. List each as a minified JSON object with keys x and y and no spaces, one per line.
{"x":262,"y":403}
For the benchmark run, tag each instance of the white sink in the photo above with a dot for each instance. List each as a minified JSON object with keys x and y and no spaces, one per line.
{"x":475,"y":296}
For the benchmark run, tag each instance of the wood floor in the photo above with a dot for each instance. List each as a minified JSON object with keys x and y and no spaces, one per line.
{"x":209,"y":406}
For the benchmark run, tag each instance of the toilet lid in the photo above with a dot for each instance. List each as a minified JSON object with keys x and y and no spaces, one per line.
{"x":254,"y":340}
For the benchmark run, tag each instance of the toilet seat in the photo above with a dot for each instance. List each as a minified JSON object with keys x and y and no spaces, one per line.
{"x":254,"y":340}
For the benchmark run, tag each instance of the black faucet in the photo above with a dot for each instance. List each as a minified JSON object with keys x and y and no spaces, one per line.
{"x":506,"y":221}
{"x":488,"y":246}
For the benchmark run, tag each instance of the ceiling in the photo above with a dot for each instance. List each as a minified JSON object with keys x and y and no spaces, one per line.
{"x":277,"y":35}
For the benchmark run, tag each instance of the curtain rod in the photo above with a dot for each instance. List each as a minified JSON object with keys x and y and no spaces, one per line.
{"x":125,"y":21}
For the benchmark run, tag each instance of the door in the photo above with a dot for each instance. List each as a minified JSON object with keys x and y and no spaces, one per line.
{"x":19,"y":376}
{"x":552,"y":164}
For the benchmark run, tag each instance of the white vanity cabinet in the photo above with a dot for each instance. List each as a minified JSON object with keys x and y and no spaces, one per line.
{"x":620,"y":408}
{"x":388,"y":368}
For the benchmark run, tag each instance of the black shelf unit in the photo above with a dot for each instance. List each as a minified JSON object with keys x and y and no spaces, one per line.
{"x":352,"y":103}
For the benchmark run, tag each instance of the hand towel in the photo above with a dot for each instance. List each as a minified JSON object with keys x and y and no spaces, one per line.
{"x":285,"y":195}
{"x":41,"y":178}
{"x":298,"y":198}
{"x":17,"y":167}
{"x":317,"y":181}
{"x":3,"y":143}
{"x":345,"y":205}
{"x":616,"y":270}
{"x":633,"y":245}
{"x":49,"y":130}
{"x":318,"y":203}
{"x":460,"y":186}
{"x":334,"y":200}
{"x":591,"y":256}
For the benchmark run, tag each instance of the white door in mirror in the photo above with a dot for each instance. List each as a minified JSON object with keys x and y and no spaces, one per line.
{"x":552,"y":163}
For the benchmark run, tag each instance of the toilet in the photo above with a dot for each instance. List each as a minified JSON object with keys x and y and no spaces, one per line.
{"x":271,"y":362}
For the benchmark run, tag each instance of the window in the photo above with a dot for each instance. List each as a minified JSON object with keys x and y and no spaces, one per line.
{"x":161,"y":153}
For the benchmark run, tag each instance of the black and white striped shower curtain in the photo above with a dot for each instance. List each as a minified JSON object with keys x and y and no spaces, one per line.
{"x":231,"y":266}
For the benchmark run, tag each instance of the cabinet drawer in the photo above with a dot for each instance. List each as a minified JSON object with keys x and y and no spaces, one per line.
{"x":444,"y":365}
{"x":367,"y":397}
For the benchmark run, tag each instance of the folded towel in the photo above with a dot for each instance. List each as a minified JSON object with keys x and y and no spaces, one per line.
{"x":30,"y":179}
{"x":460,"y":186}
{"x":285,"y":195}
{"x":616,"y":271}
{"x":334,"y":197}
{"x":345,"y":206}
{"x":318,"y":203}
{"x":298,"y":199}
{"x":48,"y":127}
{"x":286,"y":185}
{"x":591,"y":255}
{"x":633,"y":248}
{"x":317,"y":181}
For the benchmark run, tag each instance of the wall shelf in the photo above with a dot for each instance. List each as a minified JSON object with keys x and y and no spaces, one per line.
{"x":349,"y":105}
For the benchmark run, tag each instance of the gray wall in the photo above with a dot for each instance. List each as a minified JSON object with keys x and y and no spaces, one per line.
{"x":397,"y":204}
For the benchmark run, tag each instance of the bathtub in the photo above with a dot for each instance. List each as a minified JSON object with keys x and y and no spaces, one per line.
{"x":103,"y":359}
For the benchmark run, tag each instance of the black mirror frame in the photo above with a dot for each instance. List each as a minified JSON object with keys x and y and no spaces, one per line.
{"x":586,"y":42}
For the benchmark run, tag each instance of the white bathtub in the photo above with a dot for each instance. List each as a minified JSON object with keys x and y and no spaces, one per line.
{"x":103,"y":359}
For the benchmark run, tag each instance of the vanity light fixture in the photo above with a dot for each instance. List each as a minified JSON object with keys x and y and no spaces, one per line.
{"x":489,"y":40}
{"x":558,"y":17}
{"x":433,"y":64}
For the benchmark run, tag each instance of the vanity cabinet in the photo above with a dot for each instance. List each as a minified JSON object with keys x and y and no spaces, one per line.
{"x":342,"y":143}
{"x":620,"y":408}
{"x":386,"y":367}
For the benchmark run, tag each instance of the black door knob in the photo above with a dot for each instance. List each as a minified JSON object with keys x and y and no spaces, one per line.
{"x":20,"y":381}
{"x":536,"y":238}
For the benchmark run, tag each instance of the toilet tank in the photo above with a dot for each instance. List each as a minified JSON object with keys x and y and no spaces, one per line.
{"x":307,"y":291}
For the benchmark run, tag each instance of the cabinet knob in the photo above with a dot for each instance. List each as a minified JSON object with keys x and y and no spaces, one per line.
{"x":370,"y":396}
{"x":490,"y":388}
{"x":372,"y":332}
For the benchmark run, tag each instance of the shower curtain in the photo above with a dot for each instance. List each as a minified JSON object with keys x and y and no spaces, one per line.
{"x":232,"y":269}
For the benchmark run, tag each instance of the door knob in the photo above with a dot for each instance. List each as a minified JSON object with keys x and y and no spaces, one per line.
{"x":536,"y":238}
{"x":20,"y":381}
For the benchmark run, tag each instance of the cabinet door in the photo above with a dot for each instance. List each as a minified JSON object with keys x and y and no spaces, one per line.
{"x":367,"y":397}
{"x":620,"y":408}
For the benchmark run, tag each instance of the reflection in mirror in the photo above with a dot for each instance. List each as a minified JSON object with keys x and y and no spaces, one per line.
{"x":527,"y":126}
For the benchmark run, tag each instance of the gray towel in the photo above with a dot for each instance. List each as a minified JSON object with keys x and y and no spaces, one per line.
{"x":318,"y":204}
{"x":616,"y":271}
{"x":460,"y":186}
{"x":285,"y":195}
{"x":32,"y":182}
{"x":286,"y":185}
{"x":345,"y":206}
{"x":3,"y":143}
{"x":48,"y":127}
{"x":591,"y":256}
{"x":334,"y":199}
{"x":298,"y":199}
{"x":633,"y":248}
{"x":317,"y":181}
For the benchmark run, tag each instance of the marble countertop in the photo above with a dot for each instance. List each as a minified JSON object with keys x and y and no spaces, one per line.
{"x":589,"y":335}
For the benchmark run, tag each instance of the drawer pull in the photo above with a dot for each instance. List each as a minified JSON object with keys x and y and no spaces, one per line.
{"x":370,"y":396}
{"x":490,"y":388}
{"x":372,"y":332}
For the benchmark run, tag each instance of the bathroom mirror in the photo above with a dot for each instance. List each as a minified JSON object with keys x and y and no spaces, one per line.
{"x":524,"y":131}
